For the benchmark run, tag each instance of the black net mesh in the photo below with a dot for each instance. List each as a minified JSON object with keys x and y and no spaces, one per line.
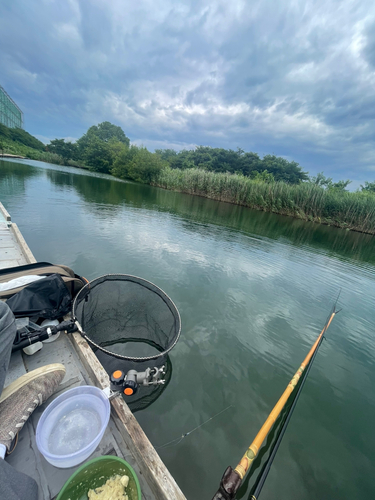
{"x":127,"y":317}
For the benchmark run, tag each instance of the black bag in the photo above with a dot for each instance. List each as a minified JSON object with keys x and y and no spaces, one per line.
{"x":46,"y":298}
{"x":73,"y":282}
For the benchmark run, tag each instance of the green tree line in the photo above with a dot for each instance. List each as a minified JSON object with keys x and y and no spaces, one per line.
{"x":239,"y":162}
{"x":270,"y":183}
{"x":106,"y":148}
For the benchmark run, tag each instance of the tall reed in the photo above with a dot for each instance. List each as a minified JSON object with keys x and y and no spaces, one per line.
{"x":355,"y":211}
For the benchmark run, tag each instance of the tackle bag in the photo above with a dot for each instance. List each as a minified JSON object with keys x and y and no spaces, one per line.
{"x":11,"y":275}
{"x":47,"y":298}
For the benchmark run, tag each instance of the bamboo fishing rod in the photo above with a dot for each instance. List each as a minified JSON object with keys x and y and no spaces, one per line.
{"x":232,"y":478}
{"x":263,"y":475}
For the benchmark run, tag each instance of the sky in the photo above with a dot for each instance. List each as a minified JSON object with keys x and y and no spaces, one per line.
{"x":294,"y":78}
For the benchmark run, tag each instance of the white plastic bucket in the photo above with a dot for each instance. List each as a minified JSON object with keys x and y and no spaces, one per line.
{"x":72,"y":426}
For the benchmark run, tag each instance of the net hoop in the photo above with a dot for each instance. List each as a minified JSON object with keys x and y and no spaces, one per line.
{"x":169,"y":302}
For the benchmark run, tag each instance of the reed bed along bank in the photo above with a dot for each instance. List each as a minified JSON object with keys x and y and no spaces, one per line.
{"x":354,"y":211}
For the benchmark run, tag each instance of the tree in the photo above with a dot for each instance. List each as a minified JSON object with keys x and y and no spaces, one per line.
{"x":68,"y":150}
{"x":321,"y":180}
{"x":283,"y":170}
{"x":20,"y":135}
{"x":227,"y":160}
{"x":116,"y":147}
{"x":181,"y":160}
{"x":98,"y":156}
{"x":224,"y":160}
{"x":340,"y":185}
{"x":145,"y":166}
{"x":122,"y":162}
{"x":327,"y":182}
{"x":369,"y":187}
{"x":107,"y":131}
{"x":166,"y":154}
{"x":249,"y":162}
{"x":138,"y":164}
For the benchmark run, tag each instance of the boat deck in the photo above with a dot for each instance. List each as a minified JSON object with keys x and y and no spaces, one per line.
{"x":26,"y":456}
{"x":11,"y":253}
{"x":123,"y":436}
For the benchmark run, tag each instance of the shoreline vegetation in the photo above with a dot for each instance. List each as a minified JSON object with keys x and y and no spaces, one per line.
{"x":306,"y":201}
{"x":270,"y":184}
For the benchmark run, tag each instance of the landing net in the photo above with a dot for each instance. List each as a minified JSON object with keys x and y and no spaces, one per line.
{"x":127,"y":317}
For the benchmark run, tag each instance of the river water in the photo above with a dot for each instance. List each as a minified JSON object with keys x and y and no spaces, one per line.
{"x":253,"y":290}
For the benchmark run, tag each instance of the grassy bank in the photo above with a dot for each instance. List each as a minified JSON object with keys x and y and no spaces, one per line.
{"x":307,"y":201}
{"x":17,"y":148}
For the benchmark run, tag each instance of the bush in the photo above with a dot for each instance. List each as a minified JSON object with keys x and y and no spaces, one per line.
{"x":75,"y":163}
{"x":138,"y":164}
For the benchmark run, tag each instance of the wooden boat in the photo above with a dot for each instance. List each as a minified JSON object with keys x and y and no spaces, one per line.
{"x":124,"y":437}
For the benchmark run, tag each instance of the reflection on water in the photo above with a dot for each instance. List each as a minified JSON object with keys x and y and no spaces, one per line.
{"x":105,"y":193}
{"x":253,"y":290}
{"x":13,"y":178}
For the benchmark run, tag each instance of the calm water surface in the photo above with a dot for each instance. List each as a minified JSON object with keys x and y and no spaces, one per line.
{"x":253,"y":290}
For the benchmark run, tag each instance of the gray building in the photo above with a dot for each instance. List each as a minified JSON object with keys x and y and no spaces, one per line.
{"x":10,"y":113}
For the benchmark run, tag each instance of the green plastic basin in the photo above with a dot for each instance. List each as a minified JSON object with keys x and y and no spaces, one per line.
{"x":95,"y":473}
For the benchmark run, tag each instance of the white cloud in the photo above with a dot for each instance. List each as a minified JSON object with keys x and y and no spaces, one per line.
{"x":152,"y":145}
{"x":298,"y":83}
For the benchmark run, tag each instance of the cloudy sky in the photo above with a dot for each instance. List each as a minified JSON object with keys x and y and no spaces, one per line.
{"x":291,"y":77}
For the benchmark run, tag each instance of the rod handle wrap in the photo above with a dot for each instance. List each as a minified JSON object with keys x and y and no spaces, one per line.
{"x":229,"y":484}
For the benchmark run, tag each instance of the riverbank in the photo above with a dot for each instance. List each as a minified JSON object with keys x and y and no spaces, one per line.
{"x":7,"y":155}
{"x":306,"y":201}
{"x":15,"y":150}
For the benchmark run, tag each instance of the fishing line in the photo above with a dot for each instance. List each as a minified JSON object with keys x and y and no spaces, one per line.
{"x":178,"y":440}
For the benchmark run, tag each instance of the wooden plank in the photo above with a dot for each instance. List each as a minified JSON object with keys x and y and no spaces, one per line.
{"x":5,"y":213}
{"x":5,"y":263}
{"x":30,"y":259}
{"x":160,"y":480}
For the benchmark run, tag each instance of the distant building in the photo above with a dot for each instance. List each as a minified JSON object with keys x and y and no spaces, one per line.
{"x":10,"y":113}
